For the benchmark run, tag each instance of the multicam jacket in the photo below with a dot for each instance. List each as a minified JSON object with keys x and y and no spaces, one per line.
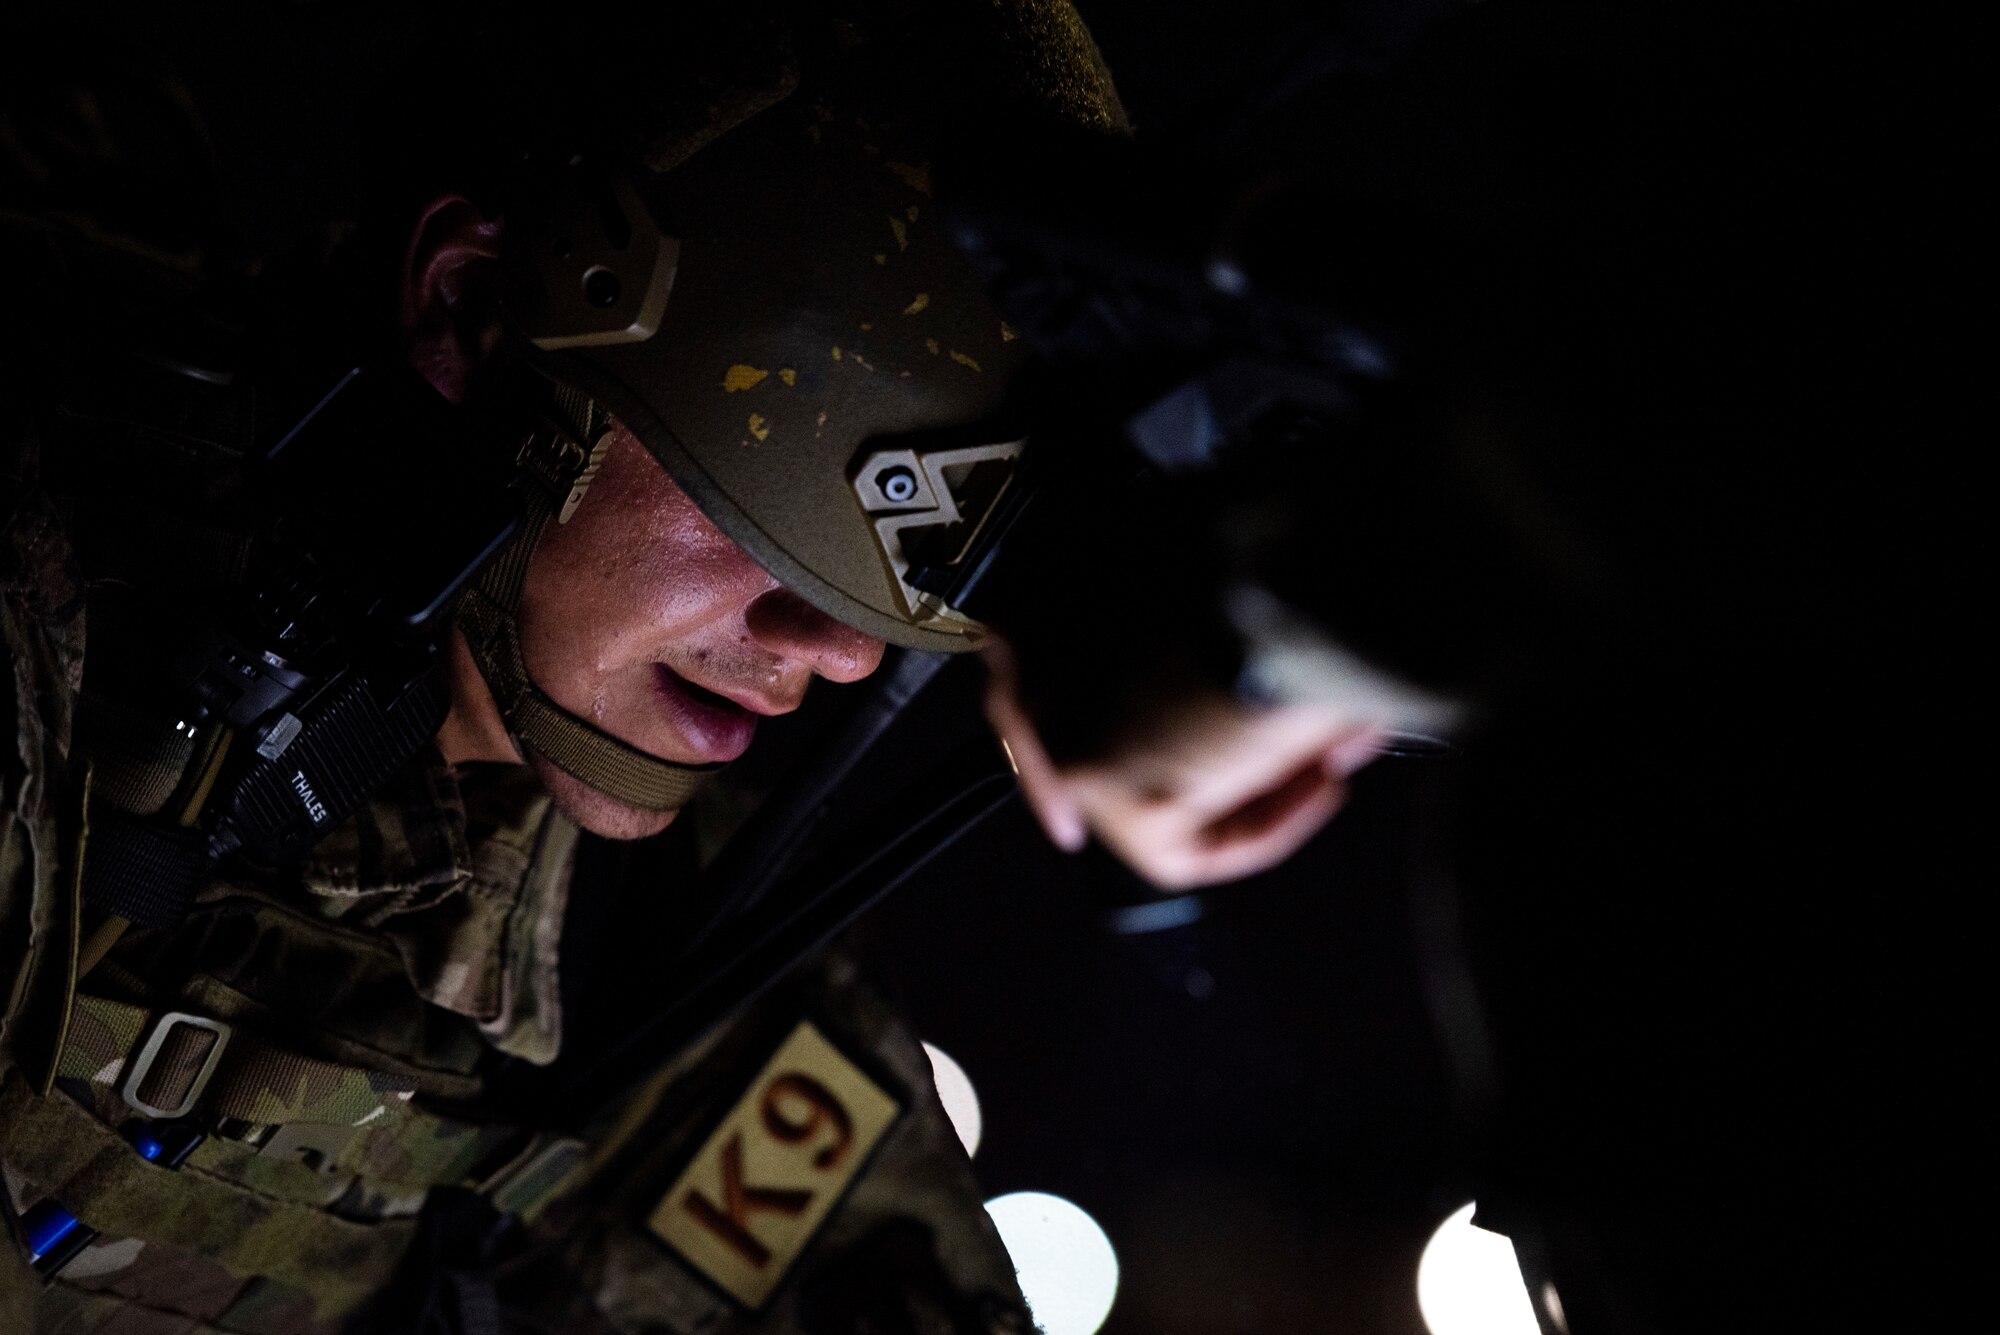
{"x":335,"y":1026}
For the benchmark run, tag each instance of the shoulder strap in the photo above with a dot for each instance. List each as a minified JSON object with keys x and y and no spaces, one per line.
{"x":168,"y":1062}
{"x":564,"y":455}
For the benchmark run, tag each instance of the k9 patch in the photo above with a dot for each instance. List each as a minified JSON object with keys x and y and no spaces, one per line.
{"x":764,"y":1182}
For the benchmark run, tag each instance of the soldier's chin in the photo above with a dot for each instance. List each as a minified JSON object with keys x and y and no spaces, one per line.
{"x":601,"y":815}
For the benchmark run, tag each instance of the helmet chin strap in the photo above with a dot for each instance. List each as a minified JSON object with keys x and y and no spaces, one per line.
{"x":562,"y":457}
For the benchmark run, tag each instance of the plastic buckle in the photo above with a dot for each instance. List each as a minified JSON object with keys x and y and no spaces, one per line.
{"x":149,"y":1052}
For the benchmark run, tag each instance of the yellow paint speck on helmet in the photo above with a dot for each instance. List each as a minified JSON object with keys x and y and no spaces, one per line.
{"x":740,"y":376}
{"x":789,"y":376}
{"x":787,"y":237}
{"x":757,"y":427}
{"x":917,"y":303}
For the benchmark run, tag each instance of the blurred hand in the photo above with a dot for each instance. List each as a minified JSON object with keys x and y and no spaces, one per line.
{"x":1215,"y":791}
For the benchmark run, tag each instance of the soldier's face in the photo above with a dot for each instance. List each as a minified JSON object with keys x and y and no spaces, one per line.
{"x":638,"y":614}
{"x":641,"y":616}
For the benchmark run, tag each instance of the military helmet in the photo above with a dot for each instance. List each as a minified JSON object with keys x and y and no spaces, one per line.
{"x":802,"y":346}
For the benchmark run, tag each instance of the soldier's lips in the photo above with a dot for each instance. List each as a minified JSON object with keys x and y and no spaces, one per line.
{"x":714,"y":726}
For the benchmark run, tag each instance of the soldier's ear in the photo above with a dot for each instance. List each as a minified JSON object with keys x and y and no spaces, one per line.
{"x":447,"y":308}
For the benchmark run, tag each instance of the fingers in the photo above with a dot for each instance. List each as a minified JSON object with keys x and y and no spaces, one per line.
{"x":1177,"y":849}
{"x":1263,"y":815}
{"x":1271,"y":826}
{"x":1215,"y":793}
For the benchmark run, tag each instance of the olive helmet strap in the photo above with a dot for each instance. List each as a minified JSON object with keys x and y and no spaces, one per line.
{"x":561,"y":457}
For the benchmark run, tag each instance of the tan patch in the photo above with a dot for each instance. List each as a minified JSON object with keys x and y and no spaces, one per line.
{"x":836,"y":352}
{"x":867,"y":325}
{"x":788,"y":375}
{"x":740,"y":376}
{"x":902,"y":233}
{"x":760,"y":1188}
{"x":963,"y":360}
{"x":917,"y":303}
{"x":880,"y":258}
{"x":1007,"y":334}
{"x":932,"y":344}
{"x":757,"y":427}
{"x":911,"y":213}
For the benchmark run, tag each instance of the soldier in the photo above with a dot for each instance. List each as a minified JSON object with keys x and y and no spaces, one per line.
{"x":739,"y":375}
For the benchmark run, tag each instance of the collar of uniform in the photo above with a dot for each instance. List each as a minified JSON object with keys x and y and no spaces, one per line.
{"x":466,"y":873}
{"x":409,"y":837}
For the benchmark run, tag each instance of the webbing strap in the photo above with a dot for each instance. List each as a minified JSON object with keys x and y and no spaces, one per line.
{"x":569,"y":743}
{"x":486,"y":615}
{"x":257,"y":1082}
{"x":253,"y":1080}
{"x":387,"y":1139}
{"x":145,"y":873}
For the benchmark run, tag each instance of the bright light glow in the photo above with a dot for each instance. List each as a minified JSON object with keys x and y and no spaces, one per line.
{"x":955,"y":1092}
{"x":1469,"y":1282}
{"x":1068,"y":1272}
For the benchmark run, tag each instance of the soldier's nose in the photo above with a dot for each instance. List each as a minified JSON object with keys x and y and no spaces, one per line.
{"x":787,"y":625}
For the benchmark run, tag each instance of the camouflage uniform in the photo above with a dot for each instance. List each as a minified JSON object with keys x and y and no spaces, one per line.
{"x":366,"y":995}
